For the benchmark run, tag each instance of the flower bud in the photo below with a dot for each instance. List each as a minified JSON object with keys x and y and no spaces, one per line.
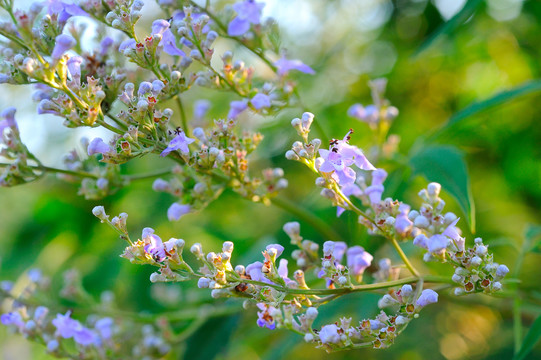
{"x":99,"y":212}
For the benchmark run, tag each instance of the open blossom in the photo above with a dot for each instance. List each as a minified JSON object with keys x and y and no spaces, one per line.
{"x":265,"y":318}
{"x":260,"y":101}
{"x":105,"y":327}
{"x":8,"y":119}
{"x":63,"y":10}
{"x":154,"y":247}
{"x":176,"y":211}
{"x":70,"y":328}
{"x":284,"y":66}
{"x":428,"y":296}
{"x":179,"y":142}
{"x":74,"y":67}
{"x":368,"y":114}
{"x":340,"y":157}
{"x":12,"y":318}
{"x":98,"y":146}
{"x":63,"y":43}
{"x":248,"y":12}
{"x":375,"y":190}
{"x":236,"y":107}
{"x":168,"y":41}
{"x":358,"y":260}
{"x":403,"y":225}
{"x":329,"y":334}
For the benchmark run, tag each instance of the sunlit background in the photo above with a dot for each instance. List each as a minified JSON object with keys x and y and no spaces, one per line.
{"x":46,"y":225}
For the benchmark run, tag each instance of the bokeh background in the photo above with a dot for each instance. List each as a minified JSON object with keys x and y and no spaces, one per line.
{"x":495,"y":48}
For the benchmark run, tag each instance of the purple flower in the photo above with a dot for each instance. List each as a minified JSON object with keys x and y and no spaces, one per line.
{"x":279,"y":249}
{"x":70,"y":328}
{"x":179,"y":142}
{"x":403,"y":224}
{"x":358,"y":260}
{"x":236,"y":107}
{"x":428,"y":296}
{"x":348,"y":190}
{"x":248,"y":12}
{"x":98,"y":146}
{"x":168,"y":41}
{"x":340,"y":157}
{"x":283,"y":272}
{"x":12,"y":318}
{"x":254,"y":271}
{"x":154,"y":247}
{"x":126,"y":45}
{"x":264,"y":316}
{"x":438,"y":243}
{"x":375,"y":190}
{"x":200,"y":109}
{"x":421,"y":240}
{"x":8,"y":119}
{"x":369,"y":114}
{"x":161,"y":185}
{"x":105,"y":327}
{"x":176,"y":211}
{"x":63,"y":43}
{"x":260,"y":101}
{"x":452,"y":233}
{"x":105,"y":44}
{"x":63,"y":10}
{"x":74,"y":67}
{"x":284,"y":66}
{"x":329,"y":334}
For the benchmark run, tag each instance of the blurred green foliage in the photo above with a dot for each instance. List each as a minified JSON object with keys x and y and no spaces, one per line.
{"x":46,"y":225}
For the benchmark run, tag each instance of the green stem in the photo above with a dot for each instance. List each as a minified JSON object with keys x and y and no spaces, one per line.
{"x":60,"y":171}
{"x":322,"y":227}
{"x":517,"y":301}
{"x":148,"y":176}
{"x":183,"y":117}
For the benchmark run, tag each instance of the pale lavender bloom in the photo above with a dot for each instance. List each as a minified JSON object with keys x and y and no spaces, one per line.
{"x":264,"y":318}
{"x":168,"y":41}
{"x":179,"y":142}
{"x":155,"y":247}
{"x":126,"y":45}
{"x":46,"y":106}
{"x":501,"y":271}
{"x":64,"y":10}
{"x":375,"y":190}
{"x":277,"y":247}
{"x":160,"y":185}
{"x":176,"y":211}
{"x":428,"y":296}
{"x":329,"y":334}
{"x":40,"y":313}
{"x":421,"y":240}
{"x":144,"y":87}
{"x":157,"y":87}
{"x":74,"y":67}
{"x":6,"y":285}
{"x":254,"y":271}
{"x":179,"y":15}
{"x":358,"y":260}
{"x":403,"y":225}
{"x":4,"y":78}
{"x":12,"y":318}
{"x":340,"y":157}
{"x":236,"y":107}
{"x":260,"y":101}
{"x":102,"y":183}
{"x":200,"y":109}
{"x":98,"y":146}
{"x":248,"y":12}
{"x":68,"y":328}
{"x":284,"y":66}
{"x":369,"y":114}
{"x":63,"y":43}
{"x":452,"y":233}
{"x":283,"y":272}
{"x":348,"y":190}
{"x":34,"y":275}
{"x":437,"y":243}
{"x":105,"y":327}
{"x":8,"y":119}
{"x":105,"y":44}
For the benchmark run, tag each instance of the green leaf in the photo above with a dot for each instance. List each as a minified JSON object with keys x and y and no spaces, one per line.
{"x":533,"y":232}
{"x":532,"y":337}
{"x":446,"y":165}
{"x":500,"y":98}
{"x":447,"y":27}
